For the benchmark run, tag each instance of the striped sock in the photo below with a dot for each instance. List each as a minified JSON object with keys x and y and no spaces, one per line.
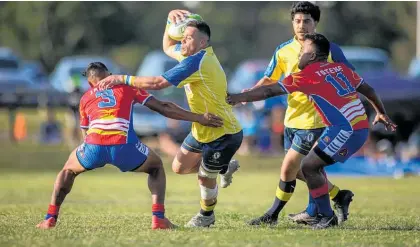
{"x":207,"y":210}
{"x":52,"y":212}
{"x":311,"y":209}
{"x":283,"y":194}
{"x":334,"y":192}
{"x":322,"y":200}
{"x":158,"y":210}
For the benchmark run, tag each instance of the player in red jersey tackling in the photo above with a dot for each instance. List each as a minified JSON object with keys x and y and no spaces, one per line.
{"x":333,"y":89}
{"x":109,"y":138}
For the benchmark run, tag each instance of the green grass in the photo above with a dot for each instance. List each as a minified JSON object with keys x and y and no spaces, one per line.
{"x":110,"y":208}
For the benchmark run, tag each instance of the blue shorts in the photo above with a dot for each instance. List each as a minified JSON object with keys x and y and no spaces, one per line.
{"x":337,"y":145}
{"x":218,"y":153}
{"x":301,"y":140}
{"x":127,"y":157}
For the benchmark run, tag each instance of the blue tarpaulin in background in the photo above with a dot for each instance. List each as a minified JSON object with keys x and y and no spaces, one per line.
{"x":362,"y":166}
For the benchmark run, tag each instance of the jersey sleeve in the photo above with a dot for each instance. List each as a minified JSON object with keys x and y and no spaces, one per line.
{"x":141,"y":96}
{"x":295,"y":82}
{"x":84,"y":120}
{"x":276,"y":68}
{"x":337,"y":56}
{"x":186,"y":71}
{"x":355,"y":79}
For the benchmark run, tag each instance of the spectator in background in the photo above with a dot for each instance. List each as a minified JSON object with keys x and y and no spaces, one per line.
{"x":50,"y":132}
{"x":73,"y":134}
{"x":249,"y":124}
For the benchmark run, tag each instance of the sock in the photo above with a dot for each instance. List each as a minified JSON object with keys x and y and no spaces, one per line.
{"x":207,"y":210}
{"x":283,"y":194}
{"x":158,"y":210}
{"x":334,"y":192}
{"x":52,"y":212}
{"x":311,"y":209}
{"x":322,"y":200}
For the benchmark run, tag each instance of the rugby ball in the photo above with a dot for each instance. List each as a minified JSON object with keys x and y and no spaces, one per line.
{"x":176,"y":30}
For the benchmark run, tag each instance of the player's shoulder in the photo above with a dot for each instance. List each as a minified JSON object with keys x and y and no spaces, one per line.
{"x":285,"y":45}
{"x":86,"y":95}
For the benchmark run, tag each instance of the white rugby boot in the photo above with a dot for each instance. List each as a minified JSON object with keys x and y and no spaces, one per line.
{"x":226,"y":179}
{"x":200,"y":220}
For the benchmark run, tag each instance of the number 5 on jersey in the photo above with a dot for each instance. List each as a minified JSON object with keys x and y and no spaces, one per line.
{"x":108,"y":98}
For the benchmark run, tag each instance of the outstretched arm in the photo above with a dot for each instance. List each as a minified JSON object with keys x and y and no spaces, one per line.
{"x":171,"y":110}
{"x":367,"y":91}
{"x":256,"y":94}
{"x":264,"y":82}
{"x":140,"y":82}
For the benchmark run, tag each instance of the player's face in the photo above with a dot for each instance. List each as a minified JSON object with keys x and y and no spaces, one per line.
{"x":303,"y":24}
{"x":192,"y":42}
{"x":307,"y":54}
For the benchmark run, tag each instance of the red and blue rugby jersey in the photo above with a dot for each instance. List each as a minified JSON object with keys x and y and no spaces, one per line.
{"x":332,"y":88}
{"x":108,"y":114}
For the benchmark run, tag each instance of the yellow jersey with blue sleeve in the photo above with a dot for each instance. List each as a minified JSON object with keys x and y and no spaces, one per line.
{"x":205,"y":85}
{"x":300,"y":113}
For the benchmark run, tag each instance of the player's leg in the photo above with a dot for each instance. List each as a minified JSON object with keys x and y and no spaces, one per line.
{"x":284,"y":191}
{"x":302,"y":142}
{"x":335,"y":145}
{"x":137,"y":157}
{"x":312,"y":166}
{"x":157,"y":186}
{"x":188,"y":157}
{"x":216,"y":155}
{"x":62,"y":187}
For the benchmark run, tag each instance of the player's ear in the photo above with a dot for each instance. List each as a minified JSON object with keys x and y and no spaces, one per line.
{"x":313,"y":56}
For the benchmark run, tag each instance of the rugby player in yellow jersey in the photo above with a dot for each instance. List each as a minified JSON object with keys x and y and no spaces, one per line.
{"x":206,"y":151}
{"x":303,"y":125}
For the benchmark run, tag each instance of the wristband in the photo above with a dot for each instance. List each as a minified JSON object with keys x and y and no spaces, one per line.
{"x":127,"y":80}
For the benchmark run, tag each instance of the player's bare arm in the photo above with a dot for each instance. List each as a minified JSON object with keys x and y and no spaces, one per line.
{"x":264,"y":82}
{"x":381,"y":116}
{"x":171,"y":110}
{"x":140,"y":82}
{"x":168,"y":44}
{"x":256,"y":94}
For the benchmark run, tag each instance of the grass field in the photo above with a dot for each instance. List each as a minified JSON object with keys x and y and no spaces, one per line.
{"x":109,"y":208}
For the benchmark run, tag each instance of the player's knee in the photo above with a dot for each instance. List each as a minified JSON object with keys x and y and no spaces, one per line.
{"x":208,"y":172}
{"x":177,"y":167}
{"x":308,"y":167}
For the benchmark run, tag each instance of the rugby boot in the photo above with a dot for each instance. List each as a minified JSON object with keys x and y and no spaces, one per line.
{"x":303,"y":218}
{"x":325,"y":222}
{"x":226,"y":179}
{"x":341,"y":204}
{"x":158,"y":223}
{"x":266,"y":219}
{"x":200,"y":220}
{"x":47,"y":224}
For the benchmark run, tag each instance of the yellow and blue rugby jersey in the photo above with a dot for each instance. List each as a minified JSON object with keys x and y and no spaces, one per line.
{"x":300,"y":113}
{"x":205,"y":85}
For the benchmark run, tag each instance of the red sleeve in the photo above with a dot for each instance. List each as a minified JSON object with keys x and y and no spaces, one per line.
{"x":141,"y":96}
{"x":84,"y":120}
{"x":294,"y":83}
{"x":355,"y":79}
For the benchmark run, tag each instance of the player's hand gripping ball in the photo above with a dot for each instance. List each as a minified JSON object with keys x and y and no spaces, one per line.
{"x":176,"y":30}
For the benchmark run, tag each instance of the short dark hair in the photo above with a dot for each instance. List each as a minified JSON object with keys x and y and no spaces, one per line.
{"x":201,"y":26}
{"x":321,"y":43}
{"x":95,"y":68}
{"x":306,"y":8}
